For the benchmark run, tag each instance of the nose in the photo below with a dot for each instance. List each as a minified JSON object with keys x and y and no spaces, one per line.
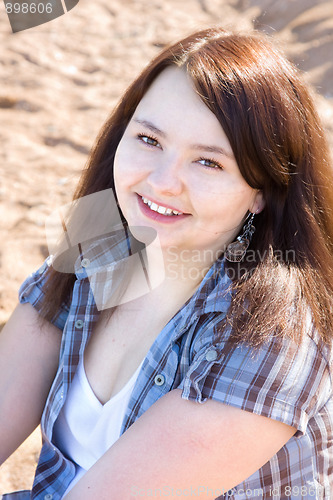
{"x":166,"y":177}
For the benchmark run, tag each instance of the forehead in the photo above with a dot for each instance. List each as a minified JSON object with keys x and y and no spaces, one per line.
{"x":172,"y":102}
{"x":173,"y":85}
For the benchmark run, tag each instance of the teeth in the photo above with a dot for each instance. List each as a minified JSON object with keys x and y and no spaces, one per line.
{"x":159,"y":208}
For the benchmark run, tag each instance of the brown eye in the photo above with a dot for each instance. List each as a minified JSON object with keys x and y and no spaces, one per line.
{"x":151,"y":141}
{"x":210,"y":164}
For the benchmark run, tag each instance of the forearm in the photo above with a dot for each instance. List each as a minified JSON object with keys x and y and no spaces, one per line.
{"x":161,"y":450}
{"x":29,"y":351}
{"x":20,"y":413}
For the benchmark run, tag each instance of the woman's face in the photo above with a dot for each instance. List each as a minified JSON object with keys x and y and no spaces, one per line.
{"x":175,"y":171}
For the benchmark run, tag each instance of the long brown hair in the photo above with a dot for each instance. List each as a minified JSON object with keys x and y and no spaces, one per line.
{"x":268,"y":115}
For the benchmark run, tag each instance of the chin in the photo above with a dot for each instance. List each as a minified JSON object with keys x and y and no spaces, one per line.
{"x":145,"y":234}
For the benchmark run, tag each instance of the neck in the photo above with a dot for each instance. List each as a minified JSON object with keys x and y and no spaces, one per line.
{"x":171,"y":274}
{"x":178,"y":270}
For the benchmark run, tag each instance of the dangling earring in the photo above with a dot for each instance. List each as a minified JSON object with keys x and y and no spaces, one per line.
{"x":236,"y":250}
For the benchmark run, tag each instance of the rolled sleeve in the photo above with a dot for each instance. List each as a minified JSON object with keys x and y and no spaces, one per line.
{"x":32,"y":291}
{"x":280,"y":380}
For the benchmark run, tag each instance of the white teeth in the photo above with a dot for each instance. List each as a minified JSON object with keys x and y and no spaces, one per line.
{"x":159,"y":208}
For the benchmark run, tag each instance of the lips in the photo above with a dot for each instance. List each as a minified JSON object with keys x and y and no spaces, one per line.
{"x":160,"y":208}
{"x":160,"y":213}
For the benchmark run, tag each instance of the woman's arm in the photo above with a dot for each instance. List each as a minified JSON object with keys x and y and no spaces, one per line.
{"x":183,"y":446}
{"x":29,"y":353}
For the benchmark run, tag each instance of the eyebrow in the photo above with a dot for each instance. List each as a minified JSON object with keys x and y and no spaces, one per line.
{"x":201,"y":147}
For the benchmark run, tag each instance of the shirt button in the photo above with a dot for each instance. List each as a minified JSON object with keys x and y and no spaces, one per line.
{"x":79,"y":324}
{"x":159,"y":379}
{"x":211,"y":355}
{"x":42,"y":269}
{"x":85,"y":262}
{"x":48,"y":496}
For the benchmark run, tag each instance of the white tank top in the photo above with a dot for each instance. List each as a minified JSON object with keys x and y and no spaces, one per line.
{"x":85,"y":428}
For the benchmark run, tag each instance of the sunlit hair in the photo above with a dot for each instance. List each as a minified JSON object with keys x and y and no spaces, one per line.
{"x":268,"y":115}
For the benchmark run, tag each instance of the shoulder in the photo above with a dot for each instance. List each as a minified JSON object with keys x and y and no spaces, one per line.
{"x":280,"y":379}
{"x":33,"y":289}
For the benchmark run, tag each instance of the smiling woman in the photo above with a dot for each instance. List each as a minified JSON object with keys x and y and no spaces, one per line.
{"x":213,"y":377}
{"x":179,"y":169}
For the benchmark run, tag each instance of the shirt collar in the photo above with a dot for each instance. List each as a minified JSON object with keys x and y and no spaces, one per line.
{"x":107,"y":257}
{"x":105,"y":253}
{"x":214,"y":293}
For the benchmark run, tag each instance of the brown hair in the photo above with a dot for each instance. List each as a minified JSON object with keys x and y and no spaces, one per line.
{"x":268,"y":115}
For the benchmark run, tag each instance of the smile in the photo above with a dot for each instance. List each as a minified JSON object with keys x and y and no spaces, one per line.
{"x":159,"y":208}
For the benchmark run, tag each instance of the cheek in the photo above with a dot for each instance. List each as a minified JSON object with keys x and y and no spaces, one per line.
{"x":214,"y":186}
{"x":223,"y":196}
{"x":223,"y":210}
{"x":129,"y":167}
{"x":123,"y":171}
{"x":122,"y":160}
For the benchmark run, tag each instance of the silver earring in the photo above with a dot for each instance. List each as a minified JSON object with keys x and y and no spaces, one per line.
{"x":236,"y":250}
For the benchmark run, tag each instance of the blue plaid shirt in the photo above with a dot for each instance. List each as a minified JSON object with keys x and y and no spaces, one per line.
{"x":284,"y":381}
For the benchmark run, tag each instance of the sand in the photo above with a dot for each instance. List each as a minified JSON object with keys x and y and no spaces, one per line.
{"x":60,"y":80}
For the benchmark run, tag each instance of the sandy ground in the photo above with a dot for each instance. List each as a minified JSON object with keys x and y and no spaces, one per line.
{"x":58,"y":84}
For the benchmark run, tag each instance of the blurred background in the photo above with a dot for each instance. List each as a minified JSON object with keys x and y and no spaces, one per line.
{"x":59,"y":82}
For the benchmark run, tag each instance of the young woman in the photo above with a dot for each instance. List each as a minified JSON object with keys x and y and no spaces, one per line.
{"x":187,"y":352}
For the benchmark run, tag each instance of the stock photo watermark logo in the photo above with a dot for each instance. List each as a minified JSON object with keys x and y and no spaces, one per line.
{"x":88,"y":238}
{"x":31,"y":13}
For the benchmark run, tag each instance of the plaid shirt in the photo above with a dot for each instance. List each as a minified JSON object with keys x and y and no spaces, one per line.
{"x":281,"y":380}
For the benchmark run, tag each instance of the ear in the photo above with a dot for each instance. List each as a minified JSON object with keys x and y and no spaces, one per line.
{"x":258,"y":203}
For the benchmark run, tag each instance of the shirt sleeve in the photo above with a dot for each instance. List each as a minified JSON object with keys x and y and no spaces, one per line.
{"x":32,"y":291}
{"x":280,"y":380}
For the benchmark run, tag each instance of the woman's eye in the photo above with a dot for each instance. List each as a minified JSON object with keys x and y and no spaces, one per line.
{"x":210,"y":163}
{"x":151,"y":141}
